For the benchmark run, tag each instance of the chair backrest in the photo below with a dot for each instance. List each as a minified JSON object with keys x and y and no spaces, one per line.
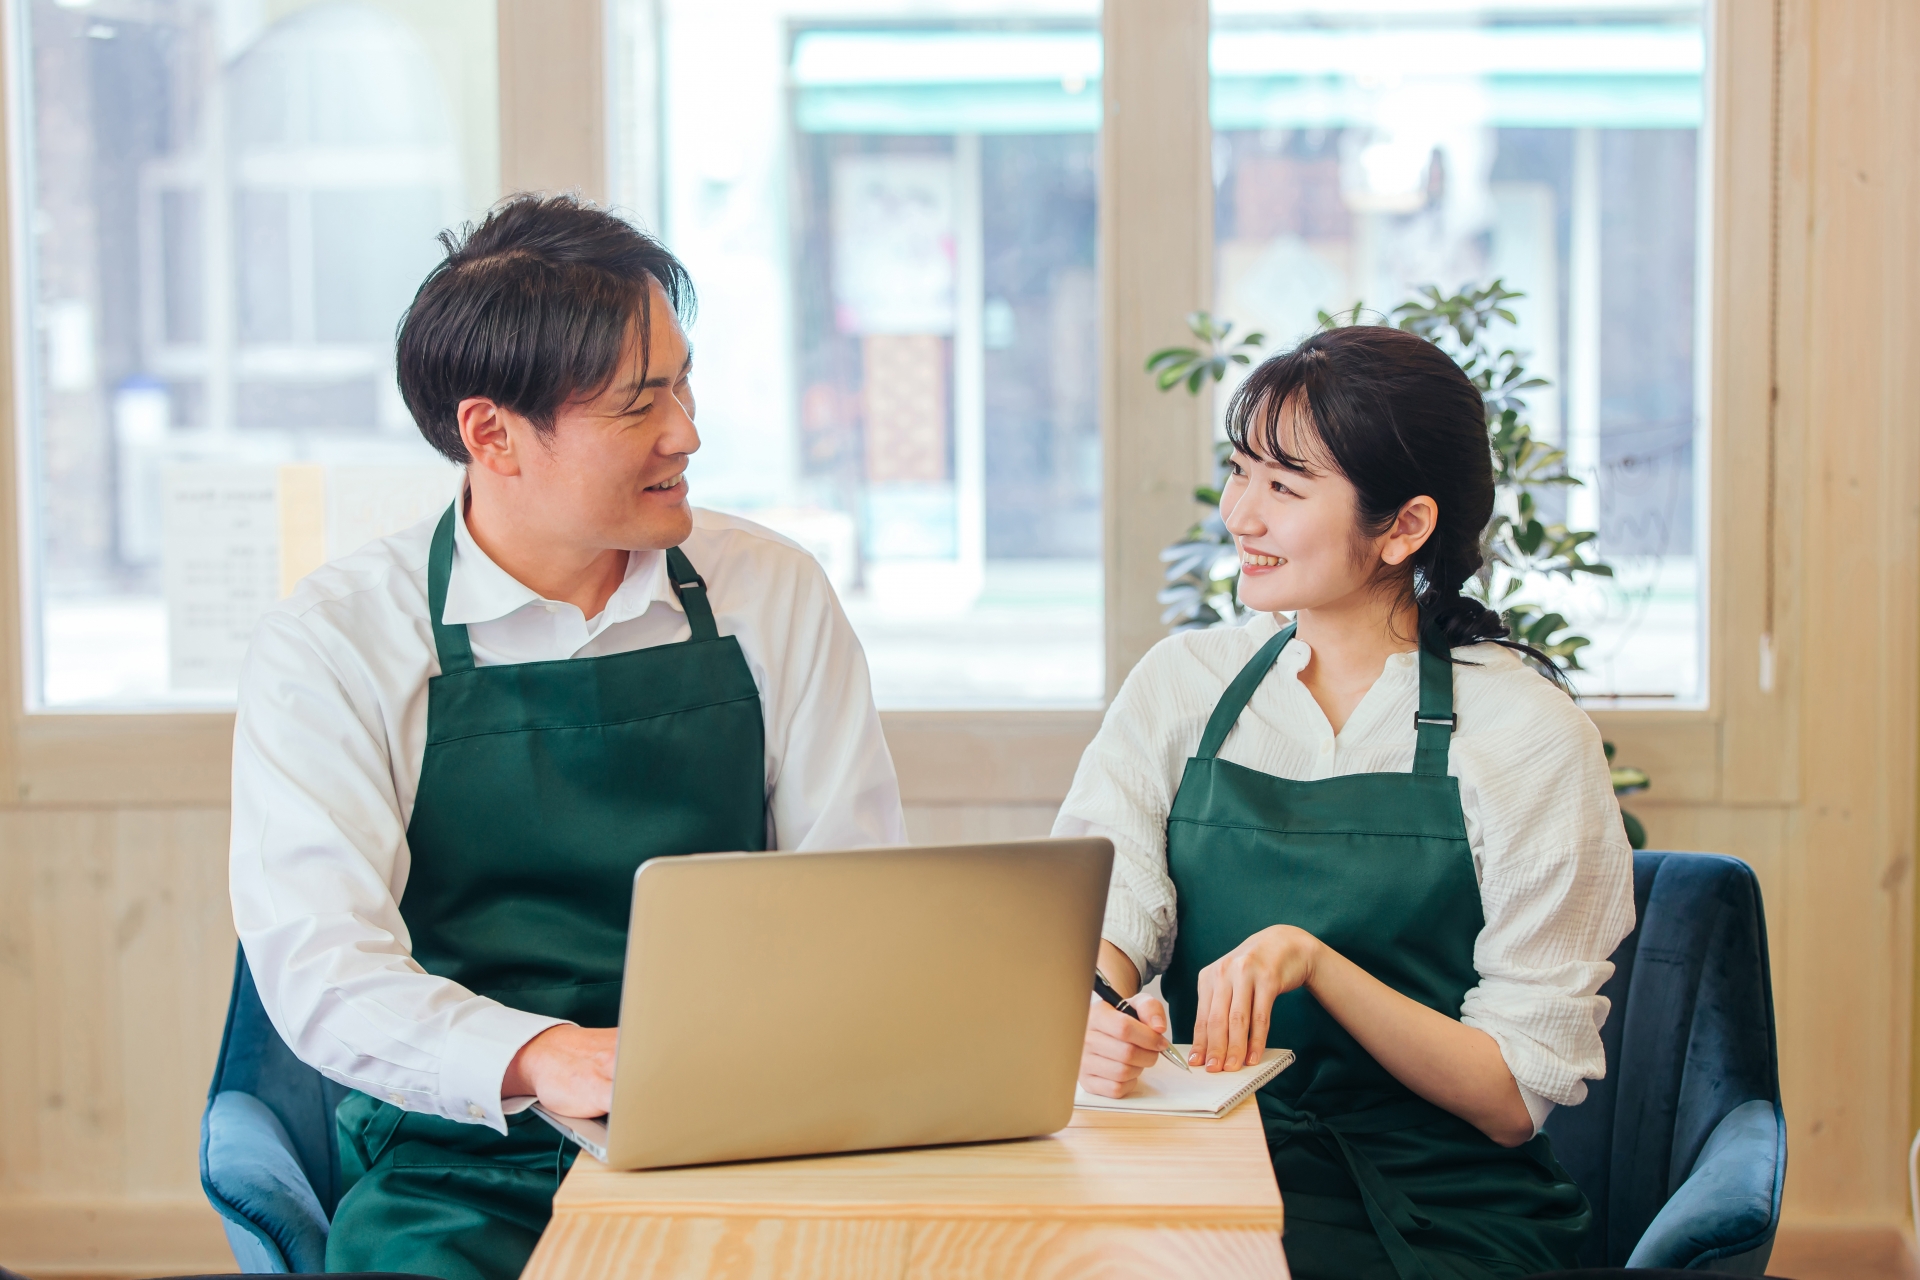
{"x":254,"y":1059}
{"x":1690,"y":1036}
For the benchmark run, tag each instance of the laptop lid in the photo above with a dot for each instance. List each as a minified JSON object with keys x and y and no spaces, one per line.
{"x":783,"y":1004}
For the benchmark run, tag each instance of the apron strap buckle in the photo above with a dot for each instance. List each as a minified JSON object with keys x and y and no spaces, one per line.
{"x":692,"y":590}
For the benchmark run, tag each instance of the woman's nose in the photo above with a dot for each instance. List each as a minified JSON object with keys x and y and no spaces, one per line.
{"x":1241,"y":518}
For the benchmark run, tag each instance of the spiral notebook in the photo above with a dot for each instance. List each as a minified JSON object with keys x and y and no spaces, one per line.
{"x":1165,"y":1089}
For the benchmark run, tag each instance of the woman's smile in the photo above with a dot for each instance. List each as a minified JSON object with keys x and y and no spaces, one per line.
{"x":1256,"y":562}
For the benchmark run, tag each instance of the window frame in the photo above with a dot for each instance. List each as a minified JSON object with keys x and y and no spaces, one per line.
{"x":1739,"y":747}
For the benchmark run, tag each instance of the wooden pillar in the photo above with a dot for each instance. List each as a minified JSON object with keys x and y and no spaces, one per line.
{"x":1156,"y":265}
{"x":553,"y":97}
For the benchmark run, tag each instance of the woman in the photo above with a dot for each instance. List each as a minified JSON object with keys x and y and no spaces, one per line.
{"x":1316,"y":852}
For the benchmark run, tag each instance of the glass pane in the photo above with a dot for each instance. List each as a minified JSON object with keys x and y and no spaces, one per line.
{"x":888,"y":210}
{"x":230,"y":205}
{"x":1368,"y":148}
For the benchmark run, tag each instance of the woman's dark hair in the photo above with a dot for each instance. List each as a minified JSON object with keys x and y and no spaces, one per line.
{"x":531,"y":308}
{"x":1396,"y":416}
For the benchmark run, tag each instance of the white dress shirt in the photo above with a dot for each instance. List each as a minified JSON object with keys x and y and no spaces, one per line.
{"x":1554,"y":866}
{"x":327,"y":753}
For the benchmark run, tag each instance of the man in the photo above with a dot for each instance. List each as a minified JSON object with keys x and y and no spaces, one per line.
{"x":456,"y":745}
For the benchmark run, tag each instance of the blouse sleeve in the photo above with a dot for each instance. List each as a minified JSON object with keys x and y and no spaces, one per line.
{"x":1556,"y":889}
{"x":1123,"y":790}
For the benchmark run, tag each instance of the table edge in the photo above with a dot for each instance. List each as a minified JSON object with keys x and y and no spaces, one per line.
{"x":1156,"y":1214}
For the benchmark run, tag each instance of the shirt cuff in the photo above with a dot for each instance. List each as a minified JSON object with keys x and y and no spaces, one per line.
{"x":479,"y":1047}
{"x":1536,"y":1068}
{"x":1537,"y":1107}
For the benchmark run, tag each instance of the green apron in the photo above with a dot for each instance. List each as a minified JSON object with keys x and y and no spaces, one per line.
{"x":543,"y":788}
{"x":1377,"y":1181}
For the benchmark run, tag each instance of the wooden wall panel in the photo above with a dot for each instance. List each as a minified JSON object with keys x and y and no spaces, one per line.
{"x":116,"y":954}
{"x":1859,"y":529}
{"x":118,"y":1237}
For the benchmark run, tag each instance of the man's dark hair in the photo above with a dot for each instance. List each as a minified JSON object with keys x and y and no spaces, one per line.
{"x":530,"y":309}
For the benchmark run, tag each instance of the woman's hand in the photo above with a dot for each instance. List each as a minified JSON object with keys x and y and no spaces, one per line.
{"x":568,"y":1068}
{"x":1237,"y":991}
{"x":1119,"y":1048}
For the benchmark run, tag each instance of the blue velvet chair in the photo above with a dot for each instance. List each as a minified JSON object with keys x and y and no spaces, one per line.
{"x":1682,"y":1149}
{"x":269,"y":1152}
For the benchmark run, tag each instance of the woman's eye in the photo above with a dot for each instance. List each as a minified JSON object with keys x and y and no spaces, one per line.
{"x":1280,"y":487}
{"x":1234,"y":468}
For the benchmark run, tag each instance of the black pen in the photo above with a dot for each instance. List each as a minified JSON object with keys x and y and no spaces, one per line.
{"x":1104,"y":989}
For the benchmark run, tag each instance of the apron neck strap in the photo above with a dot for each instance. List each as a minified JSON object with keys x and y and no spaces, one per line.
{"x":456,"y":653}
{"x":692,"y":590}
{"x":1434,"y":722}
{"x":1234,"y":700}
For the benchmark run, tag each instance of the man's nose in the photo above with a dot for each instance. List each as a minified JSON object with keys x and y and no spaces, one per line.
{"x":681,"y":436}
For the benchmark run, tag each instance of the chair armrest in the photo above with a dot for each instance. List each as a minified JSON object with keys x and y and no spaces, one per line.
{"x":254,"y":1179}
{"x":1725,"y":1213}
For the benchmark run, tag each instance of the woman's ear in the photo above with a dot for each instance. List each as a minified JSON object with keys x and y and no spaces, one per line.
{"x":1417,"y":520}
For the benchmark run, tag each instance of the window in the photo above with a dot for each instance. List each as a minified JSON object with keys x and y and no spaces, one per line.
{"x":222,"y":218}
{"x":1365,"y":148}
{"x":888,"y":211}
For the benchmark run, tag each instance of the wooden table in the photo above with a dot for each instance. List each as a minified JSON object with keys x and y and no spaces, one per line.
{"x":1115,"y":1194}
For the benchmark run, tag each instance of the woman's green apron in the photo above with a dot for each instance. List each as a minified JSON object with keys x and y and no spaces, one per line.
{"x":1377,"y":1181}
{"x":544,"y":787}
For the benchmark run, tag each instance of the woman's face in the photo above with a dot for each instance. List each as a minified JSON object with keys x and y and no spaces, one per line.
{"x":1297,"y":532}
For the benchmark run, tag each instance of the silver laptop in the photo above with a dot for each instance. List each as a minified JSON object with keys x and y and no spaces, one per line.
{"x":783,"y":1004}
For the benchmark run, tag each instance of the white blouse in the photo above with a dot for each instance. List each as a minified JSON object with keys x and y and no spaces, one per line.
{"x":326,"y":763}
{"x":1554,"y":866}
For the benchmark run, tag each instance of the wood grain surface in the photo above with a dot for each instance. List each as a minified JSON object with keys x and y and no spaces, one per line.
{"x":1113,"y":1194}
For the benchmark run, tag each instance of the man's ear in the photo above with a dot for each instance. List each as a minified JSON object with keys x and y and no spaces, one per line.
{"x":483,"y":430}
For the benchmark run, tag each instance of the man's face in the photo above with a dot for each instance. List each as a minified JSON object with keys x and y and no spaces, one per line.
{"x":612,"y":473}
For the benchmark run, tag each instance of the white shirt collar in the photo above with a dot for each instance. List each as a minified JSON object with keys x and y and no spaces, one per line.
{"x":1294,"y":658}
{"x":479,"y":590}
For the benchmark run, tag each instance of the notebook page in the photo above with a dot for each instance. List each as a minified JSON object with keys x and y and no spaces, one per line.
{"x":1165,"y":1089}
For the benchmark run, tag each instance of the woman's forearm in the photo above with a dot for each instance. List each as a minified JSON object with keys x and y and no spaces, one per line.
{"x":1118,"y":970}
{"x":1456,"y":1067}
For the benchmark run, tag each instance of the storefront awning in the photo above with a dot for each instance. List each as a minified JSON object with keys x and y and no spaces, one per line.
{"x":1563,"y":76}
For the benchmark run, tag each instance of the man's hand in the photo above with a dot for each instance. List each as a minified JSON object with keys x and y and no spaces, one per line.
{"x":1119,"y":1048}
{"x":1237,"y":991}
{"x":568,"y":1069}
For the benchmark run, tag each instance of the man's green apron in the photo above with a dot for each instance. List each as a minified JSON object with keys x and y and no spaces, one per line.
{"x":544,"y":787}
{"x":1377,"y":1181}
